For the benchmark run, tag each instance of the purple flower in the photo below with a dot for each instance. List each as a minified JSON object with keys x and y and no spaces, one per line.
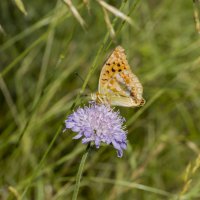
{"x":98,"y":123}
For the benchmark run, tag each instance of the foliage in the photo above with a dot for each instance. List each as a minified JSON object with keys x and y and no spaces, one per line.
{"x":41,"y":54}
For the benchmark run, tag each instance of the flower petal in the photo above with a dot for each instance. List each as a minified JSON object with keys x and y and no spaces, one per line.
{"x":77,"y":136}
{"x":98,"y":123}
{"x":69,"y":124}
{"x":119,"y":153}
{"x":75,"y":129}
{"x":86,"y":140}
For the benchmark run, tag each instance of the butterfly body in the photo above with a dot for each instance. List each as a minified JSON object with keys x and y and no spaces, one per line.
{"x":118,"y":86}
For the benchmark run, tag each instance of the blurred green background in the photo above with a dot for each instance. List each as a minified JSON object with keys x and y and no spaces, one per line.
{"x":46,"y":59}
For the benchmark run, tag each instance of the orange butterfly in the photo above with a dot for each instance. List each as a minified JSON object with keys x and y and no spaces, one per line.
{"x":118,"y":86}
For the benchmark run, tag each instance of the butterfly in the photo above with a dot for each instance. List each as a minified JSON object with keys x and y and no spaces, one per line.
{"x":118,"y":86}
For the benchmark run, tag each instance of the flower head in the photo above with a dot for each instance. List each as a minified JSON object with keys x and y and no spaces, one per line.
{"x":98,"y":123}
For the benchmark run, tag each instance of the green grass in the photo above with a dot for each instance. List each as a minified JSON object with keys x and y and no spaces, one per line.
{"x":40,"y":55}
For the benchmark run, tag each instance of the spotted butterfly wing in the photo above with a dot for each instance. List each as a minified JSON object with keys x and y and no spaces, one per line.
{"x":118,"y":85}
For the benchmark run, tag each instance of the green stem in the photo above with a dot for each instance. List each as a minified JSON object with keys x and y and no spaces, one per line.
{"x":80,"y":172}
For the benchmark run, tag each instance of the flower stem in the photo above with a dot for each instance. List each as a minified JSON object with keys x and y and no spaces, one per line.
{"x":80,"y":172}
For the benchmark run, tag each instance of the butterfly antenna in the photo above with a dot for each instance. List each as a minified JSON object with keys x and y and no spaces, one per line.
{"x":76,"y":73}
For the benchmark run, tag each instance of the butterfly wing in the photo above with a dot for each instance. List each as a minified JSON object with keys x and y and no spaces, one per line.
{"x":118,"y":83}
